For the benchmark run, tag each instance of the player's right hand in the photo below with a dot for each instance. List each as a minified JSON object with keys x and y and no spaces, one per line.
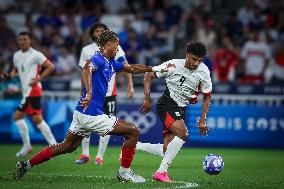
{"x":146,"y":106}
{"x":86,"y":101}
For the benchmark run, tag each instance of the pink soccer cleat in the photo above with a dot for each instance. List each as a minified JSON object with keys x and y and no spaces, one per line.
{"x":162,"y":177}
{"x":82,"y":159}
{"x":99,"y":161}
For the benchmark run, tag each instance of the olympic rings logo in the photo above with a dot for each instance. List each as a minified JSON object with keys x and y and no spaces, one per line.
{"x":143,"y":122}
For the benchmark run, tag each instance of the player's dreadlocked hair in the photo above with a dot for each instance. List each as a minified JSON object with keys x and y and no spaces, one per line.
{"x":106,"y":36}
{"x":94,"y":27}
{"x":197,"y":48}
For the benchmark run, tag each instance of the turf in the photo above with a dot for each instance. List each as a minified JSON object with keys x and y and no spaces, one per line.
{"x":244,"y":168}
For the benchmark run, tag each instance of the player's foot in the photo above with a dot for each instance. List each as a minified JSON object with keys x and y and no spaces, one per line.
{"x":99,"y":161}
{"x":161,"y":177}
{"x":82,"y":159}
{"x":21,"y":170}
{"x":24,"y":151}
{"x":130,"y":176}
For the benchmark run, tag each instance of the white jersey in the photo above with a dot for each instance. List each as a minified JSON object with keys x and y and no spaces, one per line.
{"x":28,"y":64}
{"x":183,"y":83}
{"x":255,"y":54}
{"x":86,"y":54}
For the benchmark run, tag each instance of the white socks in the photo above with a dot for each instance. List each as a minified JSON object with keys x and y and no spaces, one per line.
{"x":46,"y":132}
{"x":123,"y":170}
{"x":103,"y":145}
{"x":24,"y":132}
{"x":155,"y":149}
{"x":86,"y":146}
{"x":173,"y":147}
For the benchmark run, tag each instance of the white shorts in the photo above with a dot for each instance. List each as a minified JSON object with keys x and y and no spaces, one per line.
{"x":84,"y":125}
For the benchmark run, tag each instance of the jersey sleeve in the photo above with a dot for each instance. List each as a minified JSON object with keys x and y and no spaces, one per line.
{"x":120,"y":55}
{"x":162,"y":74}
{"x":83,"y":58}
{"x":206,"y":84}
{"x":40,"y":58}
{"x":117,"y":66}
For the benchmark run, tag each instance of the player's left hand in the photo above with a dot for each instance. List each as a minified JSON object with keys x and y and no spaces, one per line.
{"x":146,"y":107}
{"x":34,"y":81}
{"x":86,"y":101}
{"x":203,"y":128}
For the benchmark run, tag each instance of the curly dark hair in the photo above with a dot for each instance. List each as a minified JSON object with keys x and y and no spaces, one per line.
{"x":94,"y":27}
{"x":196,"y":48}
{"x":106,"y":36}
{"x":25,"y":33}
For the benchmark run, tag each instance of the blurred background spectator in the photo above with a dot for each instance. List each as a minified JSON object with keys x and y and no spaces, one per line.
{"x":244,"y":38}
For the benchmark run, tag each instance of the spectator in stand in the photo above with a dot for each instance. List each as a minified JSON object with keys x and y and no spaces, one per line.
{"x":255,"y":56}
{"x":278,"y":66}
{"x":149,"y":9}
{"x":123,"y":35}
{"x":245,"y":13}
{"x":6,"y":34}
{"x":225,"y":61}
{"x":49,"y":18}
{"x":173,"y":13}
{"x":234,"y":27}
{"x":88,"y":18}
{"x":65,"y":63}
{"x":207,"y":35}
{"x":132,"y":48}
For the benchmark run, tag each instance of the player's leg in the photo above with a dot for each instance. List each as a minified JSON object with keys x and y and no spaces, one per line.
{"x":70,"y":143}
{"x":109,"y":109}
{"x":102,"y":149}
{"x":131,"y":134}
{"x":85,"y":156}
{"x":44,"y":128}
{"x":173,"y":143}
{"x":35,"y":111}
{"x":23,"y":128}
{"x":155,"y":149}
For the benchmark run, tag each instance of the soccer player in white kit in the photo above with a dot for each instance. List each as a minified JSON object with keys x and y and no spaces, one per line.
{"x":183,"y":81}
{"x":110,"y":100}
{"x":27,"y":65}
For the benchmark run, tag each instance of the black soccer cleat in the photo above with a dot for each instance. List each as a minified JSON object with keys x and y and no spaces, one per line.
{"x":21,"y":170}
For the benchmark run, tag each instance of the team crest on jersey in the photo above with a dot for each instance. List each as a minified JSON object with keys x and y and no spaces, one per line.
{"x":177,"y":113}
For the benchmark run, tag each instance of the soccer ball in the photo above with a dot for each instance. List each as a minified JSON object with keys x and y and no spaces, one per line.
{"x":213,"y":164}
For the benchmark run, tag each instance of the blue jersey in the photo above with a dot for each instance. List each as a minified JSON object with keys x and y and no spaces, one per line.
{"x":104,"y":69}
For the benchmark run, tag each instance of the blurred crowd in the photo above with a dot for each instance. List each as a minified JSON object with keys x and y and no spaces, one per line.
{"x":245,"y":38}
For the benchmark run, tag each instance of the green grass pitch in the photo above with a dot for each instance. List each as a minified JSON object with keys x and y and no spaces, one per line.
{"x":244,"y":168}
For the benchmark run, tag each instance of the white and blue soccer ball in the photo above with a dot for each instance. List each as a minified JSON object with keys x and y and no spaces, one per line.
{"x":213,"y":164}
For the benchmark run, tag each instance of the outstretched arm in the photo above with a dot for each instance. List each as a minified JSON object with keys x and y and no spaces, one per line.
{"x":202,"y":120}
{"x":146,"y":107}
{"x":138,"y":68}
{"x":87,"y":78}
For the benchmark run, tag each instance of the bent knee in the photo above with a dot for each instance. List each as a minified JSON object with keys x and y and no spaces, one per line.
{"x":134,"y":131}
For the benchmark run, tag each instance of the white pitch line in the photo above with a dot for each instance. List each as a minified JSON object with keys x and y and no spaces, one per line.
{"x":185,"y":184}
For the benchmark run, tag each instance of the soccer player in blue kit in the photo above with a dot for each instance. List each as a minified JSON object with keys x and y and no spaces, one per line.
{"x":89,"y":116}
